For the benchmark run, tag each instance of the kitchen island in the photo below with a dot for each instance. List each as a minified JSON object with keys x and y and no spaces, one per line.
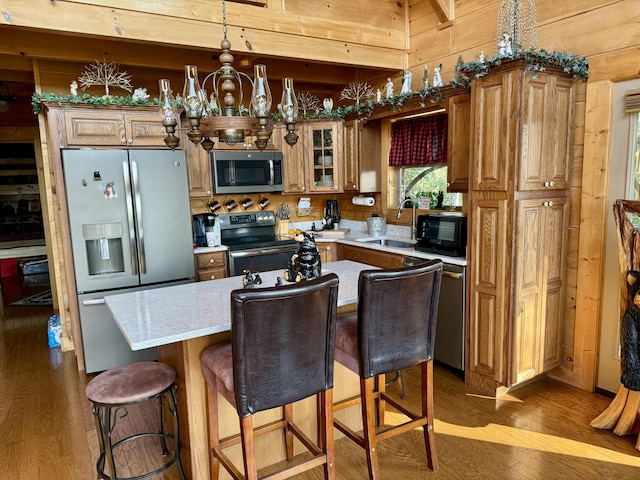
{"x":182,"y":321}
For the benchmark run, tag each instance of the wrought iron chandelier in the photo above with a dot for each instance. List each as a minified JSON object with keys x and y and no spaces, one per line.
{"x":223,"y":115}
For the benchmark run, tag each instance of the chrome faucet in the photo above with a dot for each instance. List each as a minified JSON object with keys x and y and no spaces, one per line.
{"x":413,"y":214}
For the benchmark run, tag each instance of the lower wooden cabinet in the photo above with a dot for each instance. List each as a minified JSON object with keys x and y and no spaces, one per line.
{"x":371,"y":257}
{"x":211,"y":266}
{"x":517,"y":290}
{"x":327,"y":252}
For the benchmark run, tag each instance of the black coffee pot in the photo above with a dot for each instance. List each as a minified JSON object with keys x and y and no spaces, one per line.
{"x":331,"y":215}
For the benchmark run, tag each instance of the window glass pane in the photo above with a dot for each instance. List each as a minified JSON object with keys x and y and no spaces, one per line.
{"x":635,"y":159}
{"x":426,"y":178}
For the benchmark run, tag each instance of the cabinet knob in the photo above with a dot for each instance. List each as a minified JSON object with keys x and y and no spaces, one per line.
{"x":211,"y":260}
{"x":212,"y":277}
{"x":548,"y":203}
{"x":130,"y":141}
{"x":123,"y":141}
{"x":549,"y":184}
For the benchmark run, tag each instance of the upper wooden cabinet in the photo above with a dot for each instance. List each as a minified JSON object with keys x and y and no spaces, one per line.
{"x":294,"y":165}
{"x":198,"y":168}
{"x":362,"y":156}
{"x":547,"y":110}
{"x":315,"y":163}
{"x":323,"y":151}
{"x":520,"y":133}
{"x":351,"y":164}
{"x":98,"y":127}
{"x":458,"y":141}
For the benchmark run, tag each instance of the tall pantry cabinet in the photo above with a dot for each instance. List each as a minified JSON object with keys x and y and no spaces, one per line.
{"x":518,"y":224}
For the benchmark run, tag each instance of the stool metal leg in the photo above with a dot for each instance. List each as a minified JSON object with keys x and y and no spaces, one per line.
{"x":161,"y":432}
{"x":105,"y":421}
{"x":173,"y":408}
{"x":102,"y":415}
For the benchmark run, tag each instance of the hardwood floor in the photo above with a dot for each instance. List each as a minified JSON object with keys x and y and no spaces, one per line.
{"x":540,"y":431}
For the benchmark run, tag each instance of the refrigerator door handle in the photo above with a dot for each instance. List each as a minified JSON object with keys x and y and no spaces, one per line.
{"x":94,"y":301}
{"x":132,"y":228}
{"x":138,"y":210}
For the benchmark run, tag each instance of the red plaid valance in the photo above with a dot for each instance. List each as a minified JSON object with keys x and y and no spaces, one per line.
{"x":419,"y":141}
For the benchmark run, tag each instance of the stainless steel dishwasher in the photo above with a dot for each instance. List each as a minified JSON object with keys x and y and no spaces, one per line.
{"x":450,"y":331}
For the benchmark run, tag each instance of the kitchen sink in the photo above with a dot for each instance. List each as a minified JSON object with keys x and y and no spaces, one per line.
{"x":389,"y":242}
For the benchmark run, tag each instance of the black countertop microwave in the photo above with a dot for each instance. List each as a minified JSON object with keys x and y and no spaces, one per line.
{"x":246,"y":172}
{"x":443,"y":233}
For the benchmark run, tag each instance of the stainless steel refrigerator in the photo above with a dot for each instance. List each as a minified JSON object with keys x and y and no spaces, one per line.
{"x":130,"y":225}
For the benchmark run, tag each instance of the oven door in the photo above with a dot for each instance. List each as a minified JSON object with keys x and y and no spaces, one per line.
{"x":260,"y":259}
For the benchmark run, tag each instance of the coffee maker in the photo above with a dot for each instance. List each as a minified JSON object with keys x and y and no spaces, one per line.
{"x":206,"y":230}
{"x":331,"y":215}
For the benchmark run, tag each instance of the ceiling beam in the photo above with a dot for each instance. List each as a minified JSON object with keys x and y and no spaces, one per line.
{"x":443,"y":9}
{"x":258,"y":32}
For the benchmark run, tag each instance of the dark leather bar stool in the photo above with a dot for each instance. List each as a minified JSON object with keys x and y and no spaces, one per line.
{"x":281,"y":351}
{"x":121,"y":387}
{"x":393,"y":329}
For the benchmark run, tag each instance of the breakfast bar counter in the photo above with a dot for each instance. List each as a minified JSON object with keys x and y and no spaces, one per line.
{"x":182,"y":321}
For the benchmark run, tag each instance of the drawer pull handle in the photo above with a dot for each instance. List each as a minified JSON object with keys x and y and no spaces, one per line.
{"x":451,"y":274}
{"x":212,"y":277}
{"x":212,"y":260}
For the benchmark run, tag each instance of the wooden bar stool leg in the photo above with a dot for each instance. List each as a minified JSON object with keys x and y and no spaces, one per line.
{"x":380,"y":387}
{"x":325,"y":400}
{"x":214,"y":433}
{"x":368,"y":423}
{"x":427,"y":412}
{"x":248,"y":448}
{"x":287,"y":411}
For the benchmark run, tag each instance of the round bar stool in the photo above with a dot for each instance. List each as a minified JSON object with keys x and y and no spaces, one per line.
{"x":128,"y":385}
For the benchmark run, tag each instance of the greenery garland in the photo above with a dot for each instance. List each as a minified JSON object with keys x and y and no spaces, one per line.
{"x":534,"y":60}
{"x":37,"y":99}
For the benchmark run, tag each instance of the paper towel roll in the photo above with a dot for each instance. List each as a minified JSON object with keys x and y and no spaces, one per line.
{"x":366,"y":201}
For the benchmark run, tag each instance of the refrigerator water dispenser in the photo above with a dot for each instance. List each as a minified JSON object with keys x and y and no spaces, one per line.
{"x":103,"y":242}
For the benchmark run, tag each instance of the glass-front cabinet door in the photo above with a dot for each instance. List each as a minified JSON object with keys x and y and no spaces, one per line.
{"x":323,"y":145}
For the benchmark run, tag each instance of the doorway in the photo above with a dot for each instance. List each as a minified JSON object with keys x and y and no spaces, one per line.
{"x":621,"y":186}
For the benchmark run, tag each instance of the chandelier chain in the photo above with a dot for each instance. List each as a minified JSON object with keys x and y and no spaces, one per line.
{"x":224,"y":20}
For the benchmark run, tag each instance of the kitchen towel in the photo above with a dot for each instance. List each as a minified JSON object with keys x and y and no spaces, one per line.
{"x":366,"y":201}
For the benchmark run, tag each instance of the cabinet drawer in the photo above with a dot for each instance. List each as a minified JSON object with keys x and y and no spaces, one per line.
{"x":211,"y":274}
{"x":213,"y":260}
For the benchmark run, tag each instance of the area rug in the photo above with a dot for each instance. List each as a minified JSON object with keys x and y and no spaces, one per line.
{"x":37,"y":300}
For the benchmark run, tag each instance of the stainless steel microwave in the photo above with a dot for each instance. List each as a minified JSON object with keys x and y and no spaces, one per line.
{"x":246,"y":172}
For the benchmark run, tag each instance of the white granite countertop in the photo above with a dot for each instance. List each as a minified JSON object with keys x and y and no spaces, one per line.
{"x":358,"y":236}
{"x":150,"y":318}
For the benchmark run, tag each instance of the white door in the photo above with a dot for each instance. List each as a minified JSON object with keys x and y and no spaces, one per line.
{"x":624,"y":160}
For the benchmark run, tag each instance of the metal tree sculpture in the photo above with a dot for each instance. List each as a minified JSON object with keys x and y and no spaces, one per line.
{"x":106,"y":74}
{"x":307,"y":101}
{"x":357,"y":91}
